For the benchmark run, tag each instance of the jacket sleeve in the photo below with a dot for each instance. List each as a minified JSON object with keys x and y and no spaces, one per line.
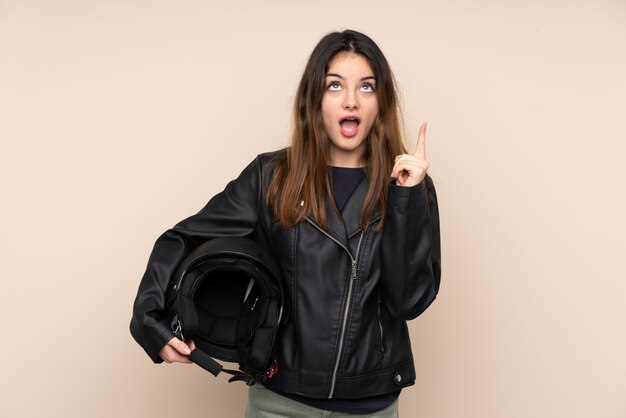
{"x":232,"y":212}
{"x":411,"y":249}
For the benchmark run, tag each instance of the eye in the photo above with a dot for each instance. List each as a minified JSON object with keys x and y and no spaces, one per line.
{"x":367,"y":87}
{"x":334,"y":86}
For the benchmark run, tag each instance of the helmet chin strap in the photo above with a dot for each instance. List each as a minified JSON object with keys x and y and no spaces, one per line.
{"x":207,"y":363}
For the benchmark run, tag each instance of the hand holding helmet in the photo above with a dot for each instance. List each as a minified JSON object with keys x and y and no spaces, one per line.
{"x":176,"y":351}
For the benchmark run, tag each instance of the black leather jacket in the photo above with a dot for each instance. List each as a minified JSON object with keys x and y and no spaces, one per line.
{"x":349,"y":294}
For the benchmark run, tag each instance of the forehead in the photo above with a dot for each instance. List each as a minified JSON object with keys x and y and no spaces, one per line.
{"x":349,"y":64}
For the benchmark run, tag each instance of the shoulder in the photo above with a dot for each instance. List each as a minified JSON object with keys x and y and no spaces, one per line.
{"x":265,"y":163}
{"x":266,"y":158}
{"x":261,"y":163}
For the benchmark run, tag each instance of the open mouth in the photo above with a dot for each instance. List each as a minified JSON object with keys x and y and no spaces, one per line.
{"x":349,"y":125}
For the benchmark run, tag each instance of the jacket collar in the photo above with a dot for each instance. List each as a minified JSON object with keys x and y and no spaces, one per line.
{"x":344,"y":227}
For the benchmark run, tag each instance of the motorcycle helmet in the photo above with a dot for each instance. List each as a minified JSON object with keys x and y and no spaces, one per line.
{"x":226,"y":295}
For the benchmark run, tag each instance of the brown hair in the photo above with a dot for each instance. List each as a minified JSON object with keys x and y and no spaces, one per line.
{"x":302,"y":173}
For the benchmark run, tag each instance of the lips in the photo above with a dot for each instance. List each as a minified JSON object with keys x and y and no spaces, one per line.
{"x":349,"y":125}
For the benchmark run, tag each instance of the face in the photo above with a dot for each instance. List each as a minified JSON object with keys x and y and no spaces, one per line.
{"x":349,"y":108}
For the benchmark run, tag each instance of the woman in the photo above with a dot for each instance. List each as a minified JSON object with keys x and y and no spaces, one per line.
{"x":359,"y":254}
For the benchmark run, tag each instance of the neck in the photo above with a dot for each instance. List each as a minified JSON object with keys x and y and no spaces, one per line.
{"x":347,"y":160}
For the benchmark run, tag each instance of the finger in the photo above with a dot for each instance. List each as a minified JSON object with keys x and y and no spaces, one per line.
{"x":410,"y":168}
{"x":172,"y":356}
{"x":407,"y":157}
{"x":179,"y":346}
{"x":182,"y":359}
{"x":192,"y":345}
{"x":409,"y":160}
{"x":413,"y":161}
{"x":420,"y":150}
{"x":399,"y":166}
{"x":398,"y":158}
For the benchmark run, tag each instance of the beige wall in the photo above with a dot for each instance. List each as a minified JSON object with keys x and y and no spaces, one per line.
{"x":119,"y":118}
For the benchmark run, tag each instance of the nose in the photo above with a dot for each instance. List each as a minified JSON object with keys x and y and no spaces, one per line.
{"x":350,"y":100}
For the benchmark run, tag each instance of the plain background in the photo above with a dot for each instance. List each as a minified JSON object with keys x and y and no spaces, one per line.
{"x":120,"y":118}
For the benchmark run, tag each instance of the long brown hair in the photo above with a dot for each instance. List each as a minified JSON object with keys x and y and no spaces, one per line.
{"x":302,"y":173}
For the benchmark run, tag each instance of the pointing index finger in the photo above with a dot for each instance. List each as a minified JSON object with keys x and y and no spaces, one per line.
{"x":420,"y":150}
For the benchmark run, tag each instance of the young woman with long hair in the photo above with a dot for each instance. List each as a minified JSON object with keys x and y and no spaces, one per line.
{"x":353,"y":222}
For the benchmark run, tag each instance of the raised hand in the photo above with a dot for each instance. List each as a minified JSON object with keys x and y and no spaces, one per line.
{"x":409,"y":170}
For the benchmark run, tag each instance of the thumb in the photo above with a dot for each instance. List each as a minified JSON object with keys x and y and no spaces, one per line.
{"x":179,"y":346}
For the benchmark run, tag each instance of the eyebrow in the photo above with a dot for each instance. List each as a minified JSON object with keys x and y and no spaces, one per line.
{"x":369,"y":77}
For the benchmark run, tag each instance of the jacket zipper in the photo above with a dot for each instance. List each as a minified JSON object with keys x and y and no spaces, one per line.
{"x":347,"y":306}
{"x":380,"y":325}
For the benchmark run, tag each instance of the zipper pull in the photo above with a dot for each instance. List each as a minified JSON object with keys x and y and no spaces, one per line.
{"x":353,"y":269}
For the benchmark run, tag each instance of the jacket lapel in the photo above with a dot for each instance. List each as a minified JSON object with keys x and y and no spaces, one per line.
{"x":352,"y":211}
{"x":336,"y":226}
{"x":349,"y":224}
